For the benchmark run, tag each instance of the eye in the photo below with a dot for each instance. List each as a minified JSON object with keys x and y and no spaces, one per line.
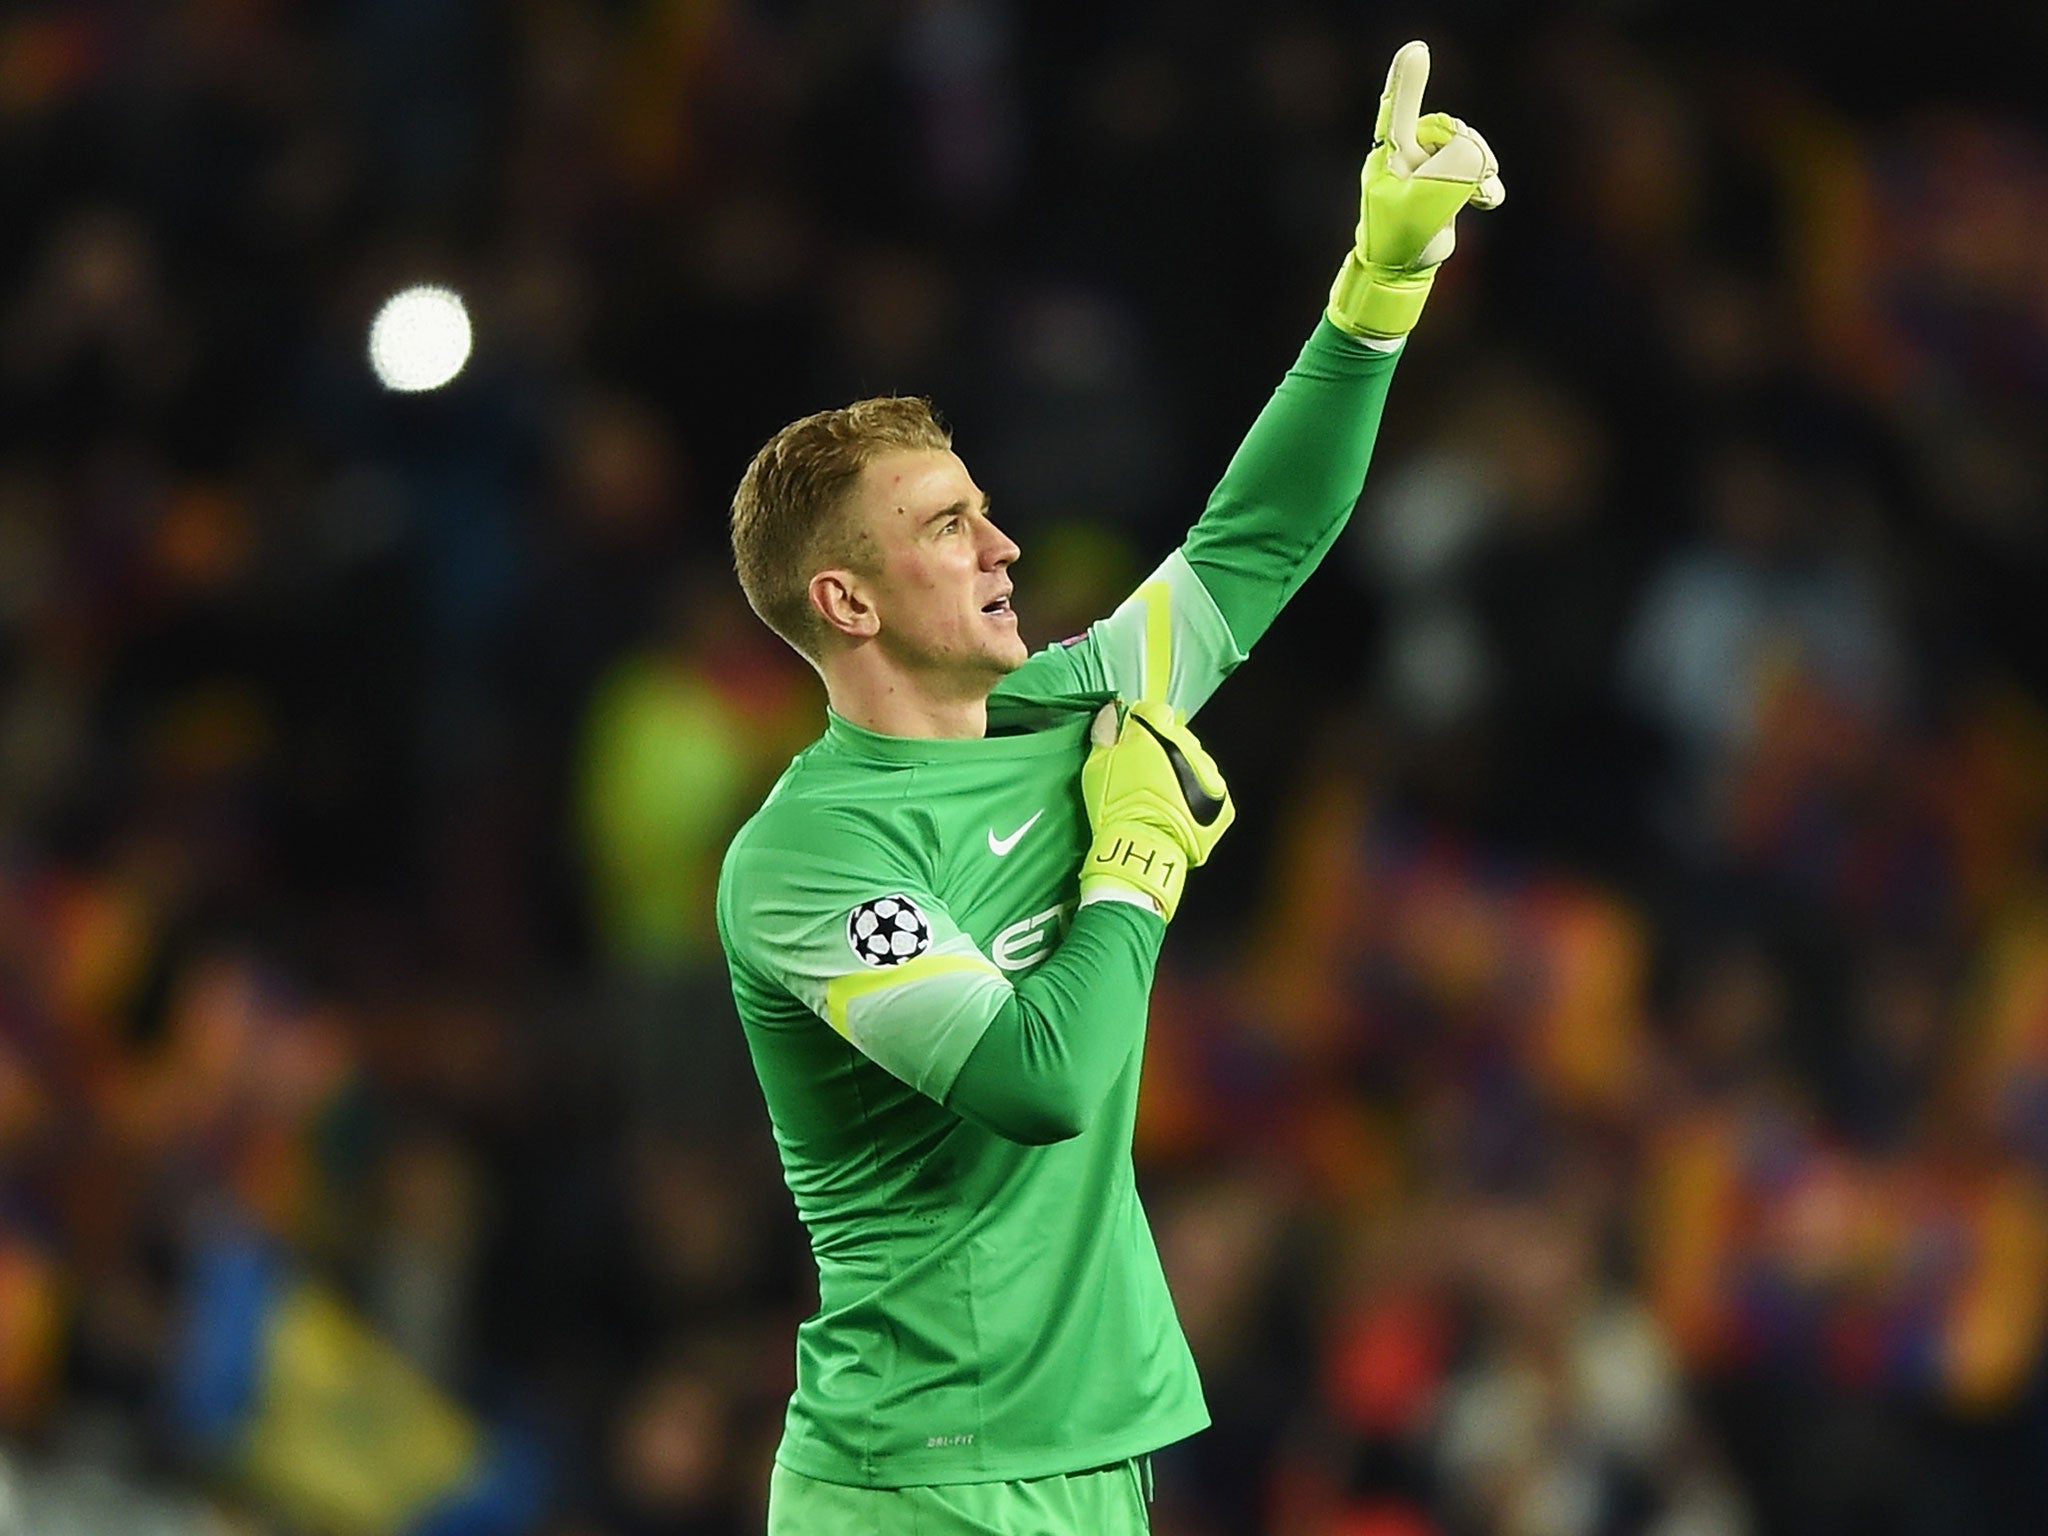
{"x":954,"y":524}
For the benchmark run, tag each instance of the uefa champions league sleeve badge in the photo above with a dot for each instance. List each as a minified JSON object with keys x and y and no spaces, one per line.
{"x":888,"y":930}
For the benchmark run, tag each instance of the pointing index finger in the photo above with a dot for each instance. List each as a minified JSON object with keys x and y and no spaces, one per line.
{"x":1401,"y":103}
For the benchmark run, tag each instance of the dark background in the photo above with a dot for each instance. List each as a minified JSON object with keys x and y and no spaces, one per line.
{"x":1601,"y":1087}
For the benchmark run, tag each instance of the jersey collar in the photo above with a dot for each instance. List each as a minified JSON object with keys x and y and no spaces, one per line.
{"x":859,"y":742}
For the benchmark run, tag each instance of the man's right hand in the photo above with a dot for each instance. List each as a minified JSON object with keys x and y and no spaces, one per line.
{"x":1157,"y":803}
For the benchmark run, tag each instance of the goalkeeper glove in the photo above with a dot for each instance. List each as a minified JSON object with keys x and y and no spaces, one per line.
{"x":1420,"y":172}
{"x":1156,"y":801}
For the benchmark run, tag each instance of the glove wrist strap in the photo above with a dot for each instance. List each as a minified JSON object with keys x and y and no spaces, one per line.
{"x":1109,"y":890}
{"x":1378,"y":302}
{"x":1138,"y":859}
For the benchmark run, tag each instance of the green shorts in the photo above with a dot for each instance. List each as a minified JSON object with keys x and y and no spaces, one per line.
{"x":1108,"y":1501}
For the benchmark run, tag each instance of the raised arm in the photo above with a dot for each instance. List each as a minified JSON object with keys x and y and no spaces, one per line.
{"x":1292,"y":484}
{"x":1294,"y":480}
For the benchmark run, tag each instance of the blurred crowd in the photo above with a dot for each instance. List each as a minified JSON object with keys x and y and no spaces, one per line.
{"x":1600,"y":1090}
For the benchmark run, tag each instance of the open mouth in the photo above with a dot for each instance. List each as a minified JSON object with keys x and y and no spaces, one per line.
{"x":1000,"y":605}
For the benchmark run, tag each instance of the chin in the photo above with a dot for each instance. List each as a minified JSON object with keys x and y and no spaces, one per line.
{"x":991,"y":667}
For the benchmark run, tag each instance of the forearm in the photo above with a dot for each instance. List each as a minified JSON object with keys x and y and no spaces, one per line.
{"x":1046,"y":1062}
{"x":1292,"y":483}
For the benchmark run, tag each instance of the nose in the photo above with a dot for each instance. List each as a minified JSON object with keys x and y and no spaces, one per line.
{"x":998,"y":548}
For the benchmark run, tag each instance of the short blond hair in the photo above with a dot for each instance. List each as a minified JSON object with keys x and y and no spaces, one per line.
{"x":787,"y":514}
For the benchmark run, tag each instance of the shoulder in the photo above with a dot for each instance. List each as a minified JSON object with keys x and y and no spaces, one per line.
{"x":824,"y":807}
{"x":799,"y":872}
{"x":812,"y":842}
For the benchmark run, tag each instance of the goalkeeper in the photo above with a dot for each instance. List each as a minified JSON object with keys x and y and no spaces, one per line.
{"x":942,"y":925}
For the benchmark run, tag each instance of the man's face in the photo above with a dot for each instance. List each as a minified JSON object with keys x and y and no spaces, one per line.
{"x":939,"y":577}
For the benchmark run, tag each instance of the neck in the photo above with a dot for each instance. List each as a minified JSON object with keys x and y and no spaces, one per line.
{"x":894,"y":705}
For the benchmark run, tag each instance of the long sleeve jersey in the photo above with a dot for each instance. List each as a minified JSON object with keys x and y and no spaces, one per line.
{"x":950,"y":1047}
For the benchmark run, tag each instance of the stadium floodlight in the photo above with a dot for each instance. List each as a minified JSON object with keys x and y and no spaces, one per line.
{"x":420,"y":338}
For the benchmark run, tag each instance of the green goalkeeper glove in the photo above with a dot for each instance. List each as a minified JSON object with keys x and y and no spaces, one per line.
{"x":1421,"y":171}
{"x":1157,"y":803}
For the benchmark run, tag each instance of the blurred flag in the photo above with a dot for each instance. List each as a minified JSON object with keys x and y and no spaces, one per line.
{"x":284,"y":1388}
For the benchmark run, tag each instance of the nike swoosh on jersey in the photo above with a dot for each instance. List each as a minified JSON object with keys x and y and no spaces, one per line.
{"x":1002,"y":845}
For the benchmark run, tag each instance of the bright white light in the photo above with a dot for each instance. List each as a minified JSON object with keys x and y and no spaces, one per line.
{"x":420,"y":338}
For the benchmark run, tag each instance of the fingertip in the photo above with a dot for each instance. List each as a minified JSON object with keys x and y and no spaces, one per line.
{"x":1402,"y":105}
{"x":1411,"y":61}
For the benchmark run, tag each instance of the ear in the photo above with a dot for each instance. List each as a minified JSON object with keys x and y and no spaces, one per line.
{"x":843,"y":602}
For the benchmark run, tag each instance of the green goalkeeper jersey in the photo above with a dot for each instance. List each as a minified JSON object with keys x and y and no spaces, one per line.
{"x":950,"y":1048}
